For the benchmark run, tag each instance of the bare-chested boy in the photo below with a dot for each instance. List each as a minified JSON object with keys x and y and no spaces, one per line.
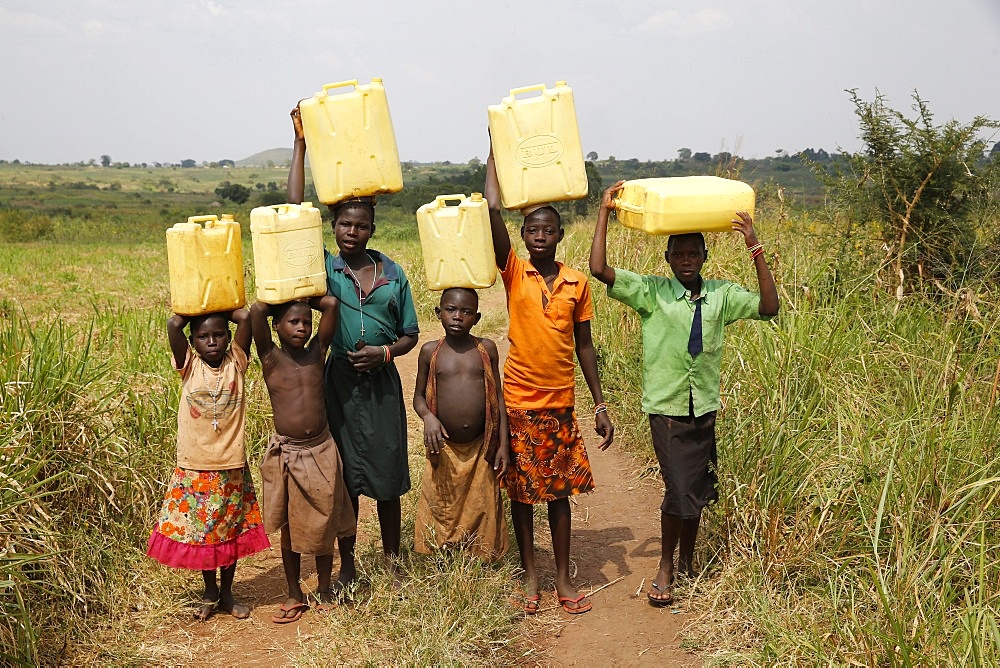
{"x":304,"y":491}
{"x":465,"y":435}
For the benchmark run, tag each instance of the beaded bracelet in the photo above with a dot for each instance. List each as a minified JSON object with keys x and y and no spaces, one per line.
{"x":755,"y":247}
{"x":758,"y":251}
{"x":386,"y":355}
{"x":600,"y":408}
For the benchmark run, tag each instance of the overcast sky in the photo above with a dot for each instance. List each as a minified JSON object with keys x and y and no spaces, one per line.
{"x":165,"y":80}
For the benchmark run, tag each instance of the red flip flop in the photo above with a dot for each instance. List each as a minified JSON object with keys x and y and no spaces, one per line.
{"x":296,"y":615}
{"x":576,"y":609}
{"x":532,"y":604}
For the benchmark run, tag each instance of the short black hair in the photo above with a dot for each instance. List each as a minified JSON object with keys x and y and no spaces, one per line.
{"x":467,"y":291}
{"x":278,"y":311}
{"x":335,"y":209}
{"x":198,"y":321}
{"x":689,"y":235}
{"x":547,"y":207}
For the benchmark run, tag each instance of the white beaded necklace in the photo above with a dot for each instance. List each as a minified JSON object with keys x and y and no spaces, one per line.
{"x":215,"y":396}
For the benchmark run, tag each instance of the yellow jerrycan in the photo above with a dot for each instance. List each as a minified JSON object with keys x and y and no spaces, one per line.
{"x":288,"y":252}
{"x":536,"y":147}
{"x":350,"y":142}
{"x":206,"y":265}
{"x":677,"y":205}
{"x":457,"y":242}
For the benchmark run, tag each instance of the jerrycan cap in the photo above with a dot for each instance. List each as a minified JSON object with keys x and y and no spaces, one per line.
{"x":561,"y":83}
{"x":377,"y":80}
{"x":228,"y":218}
{"x":476,"y":197}
{"x":305,"y":205}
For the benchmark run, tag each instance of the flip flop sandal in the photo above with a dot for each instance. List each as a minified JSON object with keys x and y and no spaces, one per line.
{"x":576,"y":609}
{"x":532,"y":604}
{"x":660,"y":602}
{"x":296,"y":615}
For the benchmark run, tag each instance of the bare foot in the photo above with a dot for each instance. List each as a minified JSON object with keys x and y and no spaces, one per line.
{"x":392,"y":565}
{"x":205,"y":609}
{"x":325,"y":600}
{"x":234,"y":607}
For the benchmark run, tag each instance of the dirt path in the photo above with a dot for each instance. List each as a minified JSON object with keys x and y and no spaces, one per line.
{"x":615,"y":546}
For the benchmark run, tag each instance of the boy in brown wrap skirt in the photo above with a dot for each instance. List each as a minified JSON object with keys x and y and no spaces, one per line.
{"x":465,"y":435}
{"x":304,"y":492}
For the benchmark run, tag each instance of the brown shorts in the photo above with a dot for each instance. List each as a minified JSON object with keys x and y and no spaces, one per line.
{"x":685,"y":450}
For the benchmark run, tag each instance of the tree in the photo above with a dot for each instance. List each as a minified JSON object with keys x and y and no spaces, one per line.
{"x":188,"y":164}
{"x":595,"y":190}
{"x":226,"y":163}
{"x":683,"y":154}
{"x":701,"y":156}
{"x":919,"y":183}
{"x":592,"y":156}
{"x":105,"y":160}
{"x":234,"y":192}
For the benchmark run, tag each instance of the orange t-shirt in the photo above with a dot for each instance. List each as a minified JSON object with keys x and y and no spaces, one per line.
{"x":212,"y":396}
{"x":539,"y":372}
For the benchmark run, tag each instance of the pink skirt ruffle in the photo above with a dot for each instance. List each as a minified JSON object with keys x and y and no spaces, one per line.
{"x":208,"y":520}
{"x":206,"y":557}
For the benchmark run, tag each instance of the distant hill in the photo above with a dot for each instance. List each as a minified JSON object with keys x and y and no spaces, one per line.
{"x":277,"y":156}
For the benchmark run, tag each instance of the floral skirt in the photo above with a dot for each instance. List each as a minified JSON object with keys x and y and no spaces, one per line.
{"x":209,"y":519}
{"x":548,"y":458}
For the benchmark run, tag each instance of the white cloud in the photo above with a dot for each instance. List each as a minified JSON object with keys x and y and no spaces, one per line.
{"x":214,"y":8}
{"x":23,"y":22}
{"x":675,"y":23}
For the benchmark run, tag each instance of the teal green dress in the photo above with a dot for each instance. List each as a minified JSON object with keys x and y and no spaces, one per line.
{"x":366,"y":409}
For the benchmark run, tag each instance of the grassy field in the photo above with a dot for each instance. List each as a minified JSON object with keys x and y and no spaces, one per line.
{"x":857,"y":443}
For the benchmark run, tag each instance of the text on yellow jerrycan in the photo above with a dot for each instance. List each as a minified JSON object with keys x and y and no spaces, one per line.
{"x":350,"y":141}
{"x":206,"y":265}
{"x":682,"y":204}
{"x":288,"y":252}
{"x":536,"y":147}
{"x":457,"y":242}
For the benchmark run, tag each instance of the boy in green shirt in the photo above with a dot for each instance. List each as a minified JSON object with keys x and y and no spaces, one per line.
{"x":683,"y":319}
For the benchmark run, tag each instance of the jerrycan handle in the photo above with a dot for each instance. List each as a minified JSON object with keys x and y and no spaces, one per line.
{"x":211,"y":220}
{"x":441,"y":199}
{"x":340,"y":84}
{"x":526,"y":89}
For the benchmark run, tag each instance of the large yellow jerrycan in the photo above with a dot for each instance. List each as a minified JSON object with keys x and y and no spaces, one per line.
{"x":677,"y":205}
{"x":536,"y":147}
{"x":206,"y":265}
{"x":457,"y":242}
{"x":350,"y":141}
{"x":288,"y":252}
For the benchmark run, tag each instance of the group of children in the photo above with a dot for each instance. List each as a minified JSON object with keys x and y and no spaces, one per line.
{"x":339,"y":415}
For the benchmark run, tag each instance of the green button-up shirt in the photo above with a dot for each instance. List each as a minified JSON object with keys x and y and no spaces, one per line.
{"x":670,"y":376}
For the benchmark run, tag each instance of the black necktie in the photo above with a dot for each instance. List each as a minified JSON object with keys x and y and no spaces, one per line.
{"x":694,"y":343}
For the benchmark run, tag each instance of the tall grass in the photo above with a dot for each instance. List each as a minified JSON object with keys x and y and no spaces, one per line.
{"x":859,"y":474}
{"x":76,"y":491}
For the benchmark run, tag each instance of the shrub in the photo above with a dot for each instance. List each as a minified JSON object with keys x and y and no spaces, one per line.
{"x":20,"y":226}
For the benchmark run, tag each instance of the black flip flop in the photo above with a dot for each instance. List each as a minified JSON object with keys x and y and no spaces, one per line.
{"x":660,"y":602}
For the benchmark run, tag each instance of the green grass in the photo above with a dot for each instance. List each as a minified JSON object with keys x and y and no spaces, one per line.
{"x":859,"y":472}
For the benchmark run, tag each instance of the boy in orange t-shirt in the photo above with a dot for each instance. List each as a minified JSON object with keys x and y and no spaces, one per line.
{"x":550,"y":312}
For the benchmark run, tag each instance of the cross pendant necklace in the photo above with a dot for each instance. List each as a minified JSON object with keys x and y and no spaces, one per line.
{"x":215,"y":396}
{"x":357,"y":283}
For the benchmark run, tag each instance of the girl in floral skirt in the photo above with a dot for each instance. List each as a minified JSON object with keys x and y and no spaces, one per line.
{"x":210,"y":516}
